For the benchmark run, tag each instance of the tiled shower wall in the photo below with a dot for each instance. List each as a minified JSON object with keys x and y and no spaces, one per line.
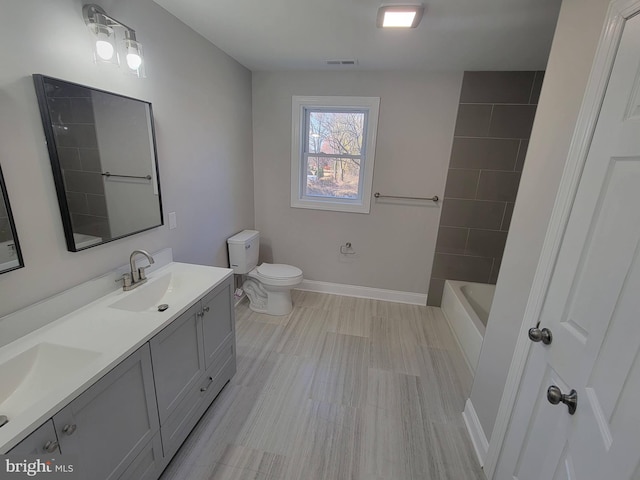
{"x":5,"y":227}
{"x":491,"y":137}
{"x":77,"y":144}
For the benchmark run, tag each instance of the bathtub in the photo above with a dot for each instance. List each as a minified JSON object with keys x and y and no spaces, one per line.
{"x":466,"y":307}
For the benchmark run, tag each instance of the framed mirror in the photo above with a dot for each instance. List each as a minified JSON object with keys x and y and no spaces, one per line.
{"x":10,"y":253}
{"x":103,"y":155}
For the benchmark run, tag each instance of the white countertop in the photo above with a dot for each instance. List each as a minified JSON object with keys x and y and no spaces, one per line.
{"x":112,"y":333}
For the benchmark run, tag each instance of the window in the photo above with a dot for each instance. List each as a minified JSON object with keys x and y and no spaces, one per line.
{"x":333,"y":148}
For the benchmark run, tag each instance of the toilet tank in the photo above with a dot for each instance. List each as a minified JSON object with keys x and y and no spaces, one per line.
{"x":243,"y":251}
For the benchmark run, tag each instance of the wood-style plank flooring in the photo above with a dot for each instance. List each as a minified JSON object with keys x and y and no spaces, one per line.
{"x":342,"y":388}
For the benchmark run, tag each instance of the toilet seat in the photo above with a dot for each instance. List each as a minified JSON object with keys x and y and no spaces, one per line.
{"x":277,"y":274}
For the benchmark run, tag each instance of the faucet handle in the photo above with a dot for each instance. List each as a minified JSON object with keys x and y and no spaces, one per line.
{"x":142,"y":275}
{"x":126,"y":280}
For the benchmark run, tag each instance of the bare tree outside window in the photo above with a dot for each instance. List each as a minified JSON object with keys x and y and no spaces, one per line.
{"x":334,"y":153}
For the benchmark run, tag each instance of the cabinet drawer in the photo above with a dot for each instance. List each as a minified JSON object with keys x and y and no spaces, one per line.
{"x":148,"y":464}
{"x":41,"y":442}
{"x":178,"y":426}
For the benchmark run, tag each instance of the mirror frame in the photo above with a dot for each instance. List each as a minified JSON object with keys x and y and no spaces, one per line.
{"x":12,"y":225}
{"x":39,"y":81}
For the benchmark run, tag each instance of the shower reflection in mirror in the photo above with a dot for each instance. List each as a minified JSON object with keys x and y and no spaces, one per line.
{"x":103,"y":157}
{"x":10,"y":254}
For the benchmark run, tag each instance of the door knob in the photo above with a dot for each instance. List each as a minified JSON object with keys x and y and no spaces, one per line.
{"x":555,"y":396}
{"x":537,"y":335}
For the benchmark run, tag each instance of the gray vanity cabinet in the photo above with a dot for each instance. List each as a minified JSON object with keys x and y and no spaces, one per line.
{"x":131,"y":422}
{"x":193,"y":358}
{"x":109,"y":426}
{"x":41,"y":442}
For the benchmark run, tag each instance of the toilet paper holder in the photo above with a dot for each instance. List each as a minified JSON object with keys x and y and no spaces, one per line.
{"x":347,"y":249}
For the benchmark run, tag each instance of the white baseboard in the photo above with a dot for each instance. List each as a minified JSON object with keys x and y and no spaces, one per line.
{"x":363,"y":292}
{"x":478,"y":438}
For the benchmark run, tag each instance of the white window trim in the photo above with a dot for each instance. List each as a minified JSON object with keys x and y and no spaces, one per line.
{"x":299,"y":103}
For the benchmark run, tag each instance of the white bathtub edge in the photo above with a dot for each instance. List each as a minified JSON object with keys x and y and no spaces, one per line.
{"x":465,"y":331}
{"x":478,"y":438}
{"x":363,"y":292}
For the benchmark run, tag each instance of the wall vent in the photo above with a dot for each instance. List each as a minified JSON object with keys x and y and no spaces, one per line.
{"x":342,"y":62}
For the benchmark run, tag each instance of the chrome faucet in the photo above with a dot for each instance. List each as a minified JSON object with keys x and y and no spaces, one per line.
{"x":137,"y":276}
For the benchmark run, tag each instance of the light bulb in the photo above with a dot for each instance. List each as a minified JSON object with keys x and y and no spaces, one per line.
{"x":104,"y":49}
{"x":133,"y":60}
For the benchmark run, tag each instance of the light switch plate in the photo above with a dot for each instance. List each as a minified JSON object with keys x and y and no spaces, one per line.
{"x":173,"y":223}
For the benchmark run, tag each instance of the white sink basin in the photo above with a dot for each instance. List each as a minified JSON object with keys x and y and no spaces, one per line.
{"x":150,"y":295}
{"x":34,"y":373}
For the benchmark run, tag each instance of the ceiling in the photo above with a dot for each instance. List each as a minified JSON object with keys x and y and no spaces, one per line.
{"x":304,"y":34}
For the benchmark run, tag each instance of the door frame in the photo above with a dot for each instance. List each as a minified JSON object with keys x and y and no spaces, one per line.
{"x":618,"y":13}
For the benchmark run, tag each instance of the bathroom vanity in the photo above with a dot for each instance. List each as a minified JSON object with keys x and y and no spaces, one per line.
{"x":118,"y":385}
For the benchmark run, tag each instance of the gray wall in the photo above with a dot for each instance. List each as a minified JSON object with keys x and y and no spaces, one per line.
{"x":202,"y":107}
{"x":572,"y":54}
{"x":492,"y":132}
{"x":394,"y":244}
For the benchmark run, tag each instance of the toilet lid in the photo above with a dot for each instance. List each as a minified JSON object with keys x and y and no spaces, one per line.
{"x":278,"y":270}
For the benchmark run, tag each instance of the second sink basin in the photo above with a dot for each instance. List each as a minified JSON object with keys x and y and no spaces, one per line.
{"x":32,"y":374}
{"x":150,"y":295}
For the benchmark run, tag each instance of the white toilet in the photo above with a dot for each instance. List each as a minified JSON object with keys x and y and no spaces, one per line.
{"x":269,"y":285}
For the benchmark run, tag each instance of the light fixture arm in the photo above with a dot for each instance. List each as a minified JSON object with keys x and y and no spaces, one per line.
{"x":90,"y":13}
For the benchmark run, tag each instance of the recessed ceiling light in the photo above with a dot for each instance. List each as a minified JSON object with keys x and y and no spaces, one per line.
{"x":400,"y":16}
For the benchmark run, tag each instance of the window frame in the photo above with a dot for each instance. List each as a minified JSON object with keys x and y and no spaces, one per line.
{"x":301,"y":106}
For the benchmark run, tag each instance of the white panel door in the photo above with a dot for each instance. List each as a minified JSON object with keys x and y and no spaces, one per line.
{"x":592,"y":307}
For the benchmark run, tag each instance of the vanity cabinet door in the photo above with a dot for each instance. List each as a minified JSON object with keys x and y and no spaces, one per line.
{"x":112,"y":422}
{"x":218,"y":323}
{"x":178,"y":360}
{"x":41,"y":442}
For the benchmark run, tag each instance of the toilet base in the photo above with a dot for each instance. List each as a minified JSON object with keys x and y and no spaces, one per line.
{"x":271,"y":301}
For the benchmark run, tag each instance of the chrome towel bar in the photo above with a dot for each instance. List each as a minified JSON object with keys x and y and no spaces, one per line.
{"x":108,"y":174}
{"x":435,"y":198}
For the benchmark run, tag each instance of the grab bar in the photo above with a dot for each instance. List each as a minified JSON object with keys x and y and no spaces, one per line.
{"x":435,"y":198}
{"x":108,"y":174}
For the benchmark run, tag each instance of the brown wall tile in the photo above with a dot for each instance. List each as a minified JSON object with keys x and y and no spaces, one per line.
{"x":5,"y":230}
{"x":97,"y":205}
{"x":69,"y":159}
{"x":522,"y":154}
{"x":86,"y":182}
{"x":462,"y":267}
{"x":472,"y":214}
{"x":484,"y":153}
{"x":506,"y":220}
{"x":452,"y":240}
{"x":497,"y":87}
{"x":77,"y":202}
{"x":512,"y":121}
{"x":498,"y":186}
{"x":495,"y":270}
{"x":461,"y":183}
{"x":473,"y":120}
{"x":537,"y":87}
{"x":486,"y":243}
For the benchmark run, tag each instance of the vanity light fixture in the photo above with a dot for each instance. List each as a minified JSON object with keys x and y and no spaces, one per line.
{"x":104,"y":28}
{"x":393,"y":15}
